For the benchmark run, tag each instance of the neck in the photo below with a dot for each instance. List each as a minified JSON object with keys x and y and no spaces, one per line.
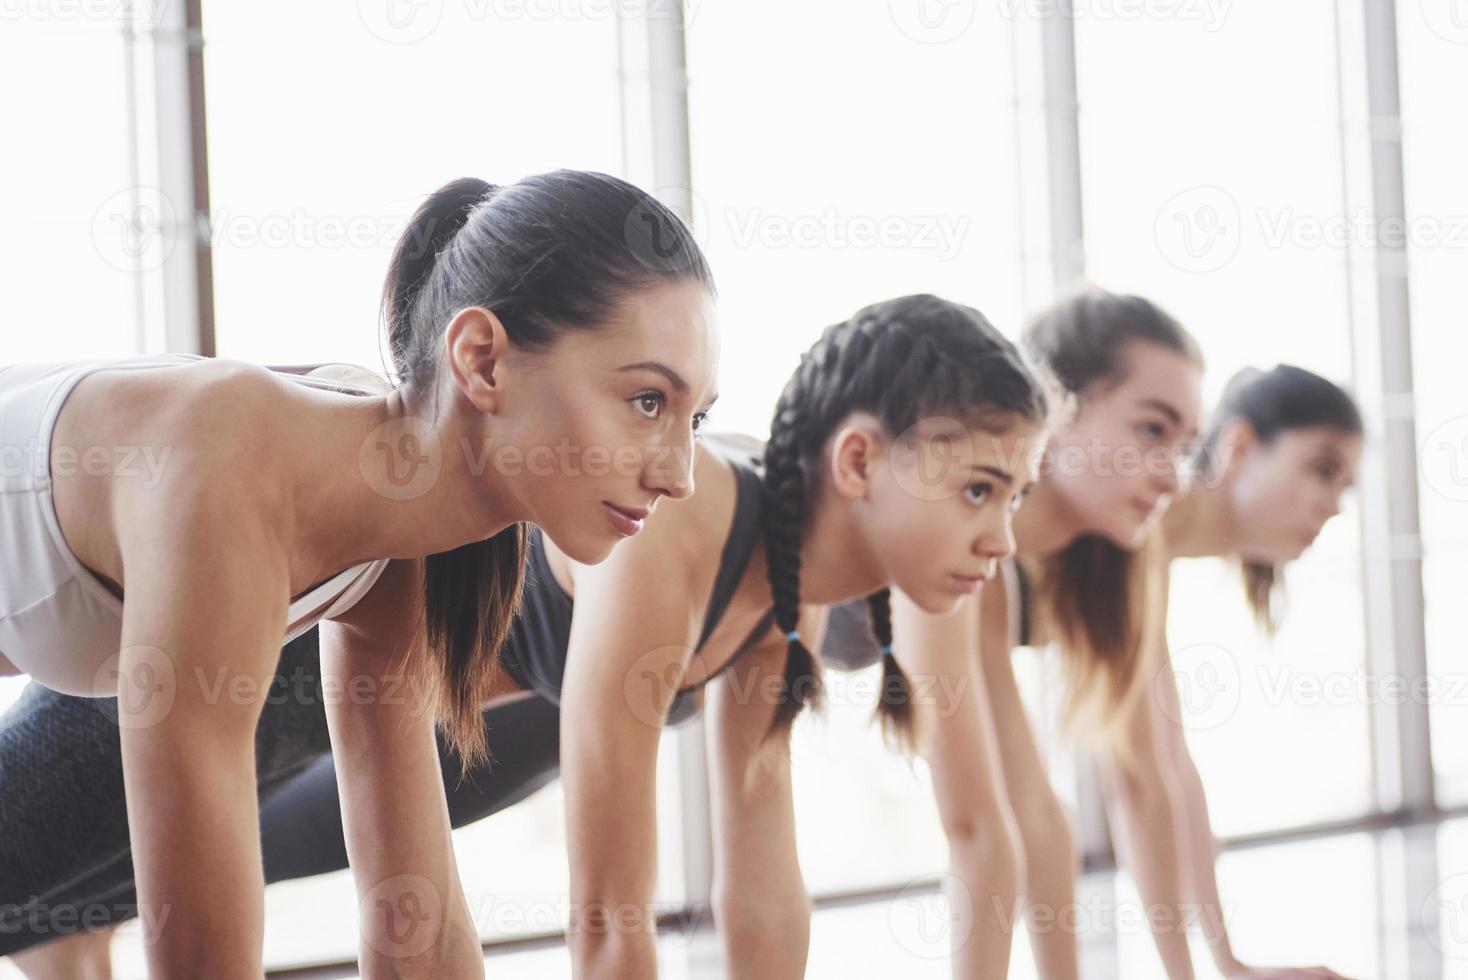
{"x":371,"y":492}
{"x":1200,"y":523}
{"x":1045,"y":524}
{"x":835,"y":562}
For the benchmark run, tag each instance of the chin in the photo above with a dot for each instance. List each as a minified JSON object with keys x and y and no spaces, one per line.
{"x":583,"y":549}
{"x":935,"y":602}
{"x":594,"y":552}
{"x":1128,"y":538}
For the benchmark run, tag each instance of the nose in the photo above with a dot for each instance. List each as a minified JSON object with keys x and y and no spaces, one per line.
{"x":670,"y":469}
{"x":1168,"y":480}
{"x":995,"y":538}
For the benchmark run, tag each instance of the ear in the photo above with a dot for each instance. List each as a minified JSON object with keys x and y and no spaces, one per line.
{"x":853,"y":454}
{"x":475,"y":344}
{"x":1236,"y":441}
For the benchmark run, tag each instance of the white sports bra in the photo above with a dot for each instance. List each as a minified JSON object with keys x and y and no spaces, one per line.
{"x":58,"y":622}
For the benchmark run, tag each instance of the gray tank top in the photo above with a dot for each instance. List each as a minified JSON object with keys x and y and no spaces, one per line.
{"x":850,"y":644}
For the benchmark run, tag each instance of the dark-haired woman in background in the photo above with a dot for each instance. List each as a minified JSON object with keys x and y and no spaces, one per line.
{"x":567,"y":308}
{"x":1090,"y":577}
{"x":897,"y":453}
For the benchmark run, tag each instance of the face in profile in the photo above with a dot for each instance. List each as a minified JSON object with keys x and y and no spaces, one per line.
{"x":604,"y":421}
{"x":1282,"y":492}
{"x":939,"y":505}
{"x":1117,"y":464}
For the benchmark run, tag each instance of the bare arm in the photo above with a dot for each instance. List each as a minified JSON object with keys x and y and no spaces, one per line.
{"x":414,"y":917}
{"x":1199,"y":848}
{"x":1147,"y":809}
{"x":760,"y":902}
{"x":1048,"y":860}
{"x":628,"y":649}
{"x":200,"y":634}
{"x":940,"y":656}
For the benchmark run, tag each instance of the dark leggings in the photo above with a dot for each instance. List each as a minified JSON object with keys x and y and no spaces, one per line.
{"x":65,"y":863}
{"x":301,"y":825}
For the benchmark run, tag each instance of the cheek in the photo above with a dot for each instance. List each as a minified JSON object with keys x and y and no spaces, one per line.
{"x":1264,"y":502}
{"x":909,"y":532}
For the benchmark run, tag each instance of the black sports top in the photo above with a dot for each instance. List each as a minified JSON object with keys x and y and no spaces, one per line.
{"x":534,"y":654}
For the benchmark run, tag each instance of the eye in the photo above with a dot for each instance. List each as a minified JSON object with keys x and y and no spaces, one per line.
{"x":700,"y":422}
{"x":979,"y":493}
{"x":1153,"y":431}
{"x":1017,"y":501}
{"x":650,"y":403}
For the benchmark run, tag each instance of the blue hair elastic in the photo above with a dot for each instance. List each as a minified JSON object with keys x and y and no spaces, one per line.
{"x":793,"y":635}
{"x":887,"y":648}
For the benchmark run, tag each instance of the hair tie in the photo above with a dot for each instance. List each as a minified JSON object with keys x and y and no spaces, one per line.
{"x":793,"y":636}
{"x":887,"y":649}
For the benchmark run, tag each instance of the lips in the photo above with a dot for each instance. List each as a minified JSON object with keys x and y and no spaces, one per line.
{"x":626,"y":521}
{"x":633,"y":513}
{"x":967,"y":583}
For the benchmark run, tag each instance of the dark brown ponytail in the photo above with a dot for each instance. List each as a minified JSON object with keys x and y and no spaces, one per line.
{"x":1271,"y":402}
{"x":549,"y":253}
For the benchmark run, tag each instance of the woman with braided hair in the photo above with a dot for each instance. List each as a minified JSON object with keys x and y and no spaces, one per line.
{"x":897,"y":454}
{"x":562,"y":309}
{"x":1090,"y":575}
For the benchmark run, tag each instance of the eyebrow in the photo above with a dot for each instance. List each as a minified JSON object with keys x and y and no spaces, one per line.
{"x":679,"y":385}
{"x":993,"y":471}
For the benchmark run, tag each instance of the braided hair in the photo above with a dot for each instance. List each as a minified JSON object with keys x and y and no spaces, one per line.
{"x":901,"y":360}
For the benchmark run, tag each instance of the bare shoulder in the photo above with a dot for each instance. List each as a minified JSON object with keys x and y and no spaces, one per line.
{"x":153,"y":448}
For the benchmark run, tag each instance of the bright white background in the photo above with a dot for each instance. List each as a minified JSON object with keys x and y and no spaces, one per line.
{"x":809,"y":122}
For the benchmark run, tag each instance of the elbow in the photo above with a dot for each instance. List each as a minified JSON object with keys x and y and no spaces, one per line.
{"x":984,"y":841}
{"x":1141,"y":787}
{"x":1043,"y":826}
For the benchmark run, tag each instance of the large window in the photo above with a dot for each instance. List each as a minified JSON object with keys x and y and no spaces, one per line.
{"x":842,"y":153}
{"x":840,"y":173}
{"x":1211,"y":189}
{"x":69,"y":236}
{"x":1434,"y":60}
{"x":68,"y":247}
{"x":317,"y":160}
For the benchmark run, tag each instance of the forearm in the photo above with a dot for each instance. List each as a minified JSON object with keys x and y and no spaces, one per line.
{"x":1150,"y":827}
{"x":1200,"y":856}
{"x":986,"y":869}
{"x":1048,"y":891}
{"x":414,"y":918}
{"x":194,"y":836}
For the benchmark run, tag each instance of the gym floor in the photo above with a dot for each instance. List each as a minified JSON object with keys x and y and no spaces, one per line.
{"x":1369,"y":904}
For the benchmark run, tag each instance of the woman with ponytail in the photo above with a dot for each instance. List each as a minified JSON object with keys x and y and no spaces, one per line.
{"x":896,"y":454}
{"x":566,"y":310}
{"x":1090,"y":577}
